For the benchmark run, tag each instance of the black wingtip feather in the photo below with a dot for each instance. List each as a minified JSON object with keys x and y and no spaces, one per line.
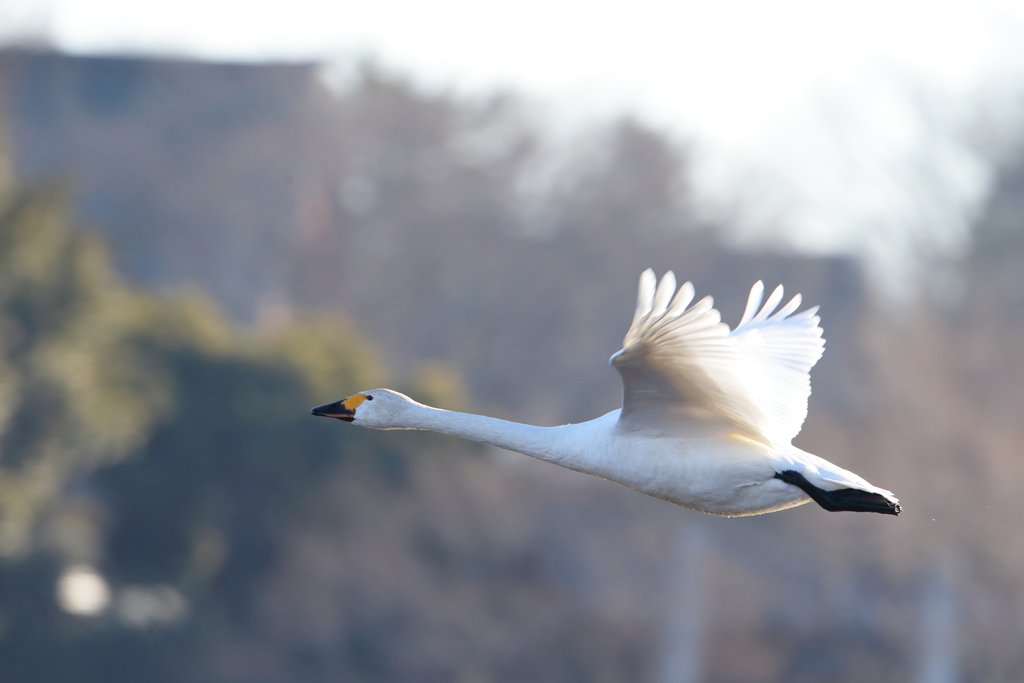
{"x":840,"y":500}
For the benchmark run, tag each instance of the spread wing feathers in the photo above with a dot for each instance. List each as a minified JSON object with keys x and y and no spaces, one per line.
{"x":776,"y":354}
{"x":679,"y":361}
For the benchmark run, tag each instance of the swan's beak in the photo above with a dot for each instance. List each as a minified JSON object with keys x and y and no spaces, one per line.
{"x":338,"y":410}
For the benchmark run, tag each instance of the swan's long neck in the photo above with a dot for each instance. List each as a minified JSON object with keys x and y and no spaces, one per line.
{"x":559,"y":445}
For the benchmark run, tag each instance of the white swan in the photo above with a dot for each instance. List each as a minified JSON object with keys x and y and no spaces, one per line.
{"x":707,"y":414}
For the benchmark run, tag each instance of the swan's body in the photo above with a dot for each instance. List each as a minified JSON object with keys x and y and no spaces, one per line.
{"x":707,"y":416}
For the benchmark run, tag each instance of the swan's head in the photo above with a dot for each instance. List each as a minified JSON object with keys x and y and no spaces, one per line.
{"x":379,"y":409}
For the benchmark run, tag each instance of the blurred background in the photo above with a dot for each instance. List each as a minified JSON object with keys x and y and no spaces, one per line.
{"x":214,"y":216}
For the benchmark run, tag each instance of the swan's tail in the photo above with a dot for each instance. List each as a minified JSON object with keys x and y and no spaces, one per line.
{"x":844,"y":499}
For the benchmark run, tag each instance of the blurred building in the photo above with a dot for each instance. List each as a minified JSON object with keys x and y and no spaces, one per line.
{"x":402,"y":208}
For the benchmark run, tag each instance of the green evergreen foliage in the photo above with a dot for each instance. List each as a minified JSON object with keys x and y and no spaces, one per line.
{"x":73,"y":392}
{"x":147,"y":437}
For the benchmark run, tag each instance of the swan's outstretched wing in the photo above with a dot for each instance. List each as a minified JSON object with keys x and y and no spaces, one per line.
{"x":681,"y":363}
{"x":776,"y":354}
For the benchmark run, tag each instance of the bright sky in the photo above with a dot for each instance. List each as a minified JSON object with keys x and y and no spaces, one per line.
{"x":839,"y":125}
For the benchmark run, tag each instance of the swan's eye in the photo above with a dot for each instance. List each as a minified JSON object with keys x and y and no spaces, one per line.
{"x":369,"y":398}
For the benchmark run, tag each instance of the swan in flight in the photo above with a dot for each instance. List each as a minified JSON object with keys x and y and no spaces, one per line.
{"x":707,"y":414}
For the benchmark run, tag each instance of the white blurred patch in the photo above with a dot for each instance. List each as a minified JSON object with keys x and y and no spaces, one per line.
{"x":82,"y":590}
{"x":142,"y":606}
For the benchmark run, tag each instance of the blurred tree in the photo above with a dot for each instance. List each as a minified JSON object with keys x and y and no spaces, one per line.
{"x":73,"y":394}
{"x":6,"y":171}
{"x":145,"y":436}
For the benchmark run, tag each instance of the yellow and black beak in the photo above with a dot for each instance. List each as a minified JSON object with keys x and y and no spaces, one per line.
{"x":341,"y":410}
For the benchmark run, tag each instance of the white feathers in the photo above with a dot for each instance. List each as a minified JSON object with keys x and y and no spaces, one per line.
{"x":756,"y":378}
{"x":753,"y":301}
{"x":775,"y":357}
{"x":707,"y":415}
